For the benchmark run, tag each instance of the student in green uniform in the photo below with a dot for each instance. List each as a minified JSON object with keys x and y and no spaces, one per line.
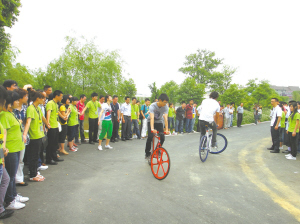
{"x":34,"y":126}
{"x":293,"y":130}
{"x":52,"y":119}
{"x":135,"y":113}
{"x":3,"y":173}
{"x":63,"y":120}
{"x":14,"y":144}
{"x":282,"y":127}
{"x":93,"y":106}
{"x":72,"y":123}
{"x":171,"y":115}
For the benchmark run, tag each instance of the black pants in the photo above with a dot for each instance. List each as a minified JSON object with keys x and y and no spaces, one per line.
{"x":115,"y":122}
{"x":160,"y":128}
{"x":293,"y":142}
{"x":34,"y":148}
{"x":93,"y":129}
{"x":239,"y":119}
{"x":76,"y":134}
{"x":213,"y":126}
{"x":52,"y":144}
{"x":81,"y":130}
{"x":126,"y":127}
{"x":275,"y":138}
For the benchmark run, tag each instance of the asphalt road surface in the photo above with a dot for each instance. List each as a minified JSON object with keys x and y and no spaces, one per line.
{"x":244,"y":184}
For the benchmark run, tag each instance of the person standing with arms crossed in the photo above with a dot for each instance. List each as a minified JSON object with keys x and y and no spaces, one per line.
{"x":240,"y":111}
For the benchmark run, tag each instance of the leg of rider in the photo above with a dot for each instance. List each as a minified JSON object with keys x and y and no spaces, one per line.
{"x":149,"y":140}
{"x":202,"y":128}
{"x":160,"y":128}
{"x":214,"y":129}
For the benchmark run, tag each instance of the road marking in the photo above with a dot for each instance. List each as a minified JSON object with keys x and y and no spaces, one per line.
{"x":289,"y":201}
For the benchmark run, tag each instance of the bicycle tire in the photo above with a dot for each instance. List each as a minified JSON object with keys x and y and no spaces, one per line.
{"x":221,"y":141}
{"x":203,"y":150}
{"x":160,"y":163}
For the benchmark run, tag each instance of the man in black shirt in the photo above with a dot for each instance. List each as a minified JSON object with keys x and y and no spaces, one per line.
{"x":179,"y":118}
{"x":115,"y":118}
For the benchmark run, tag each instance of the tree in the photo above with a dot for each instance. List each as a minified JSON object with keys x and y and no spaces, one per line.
{"x":9,"y":10}
{"x":190,"y":89}
{"x":233,"y":94}
{"x":296,"y":95}
{"x":170,"y":88}
{"x":126,"y":88}
{"x":201,"y":65}
{"x":154,"y":91}
{"x":263,"y":91}
{"x":251,"y":86}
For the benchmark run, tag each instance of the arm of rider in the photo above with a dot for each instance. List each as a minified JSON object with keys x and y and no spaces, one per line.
{"x":166,"y":123}
{"x":152,"y":123}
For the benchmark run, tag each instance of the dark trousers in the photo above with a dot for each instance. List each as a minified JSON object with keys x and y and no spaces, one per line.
{"x":293,"y":142}
{"x":239,"y":119}
{"x":76,"y":133}
{"x":115,"y":122}
{"x":34,"y":148}
{"x":188,"y":125}
{"x":93,"y":129}
{"x":213,"y":126}
{"x":275,"y":138}
{"x":160,"y":128}
{"x":126,"y":127}
{"x":11,"y":165}
{"x":81,"y":128}
{"x":52,"y":144}
{"x":3,"y":185}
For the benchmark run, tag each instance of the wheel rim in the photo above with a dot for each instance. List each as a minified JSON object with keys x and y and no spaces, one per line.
{"x":203,"y":151}
{"x":221,"y":144}
{"x":160,"y":163}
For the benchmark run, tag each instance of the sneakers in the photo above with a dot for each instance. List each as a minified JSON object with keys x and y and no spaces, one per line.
{"x":21,"y":199}
{"x":108,"y":147}
{"x":291,"y":157}
{"x":288,"y":155}
{"x":100,"y":147}
{"x":14,"y":205}
{"x":134,"y":137}
{"x":42,"y":168}
{"x":73,"y":149}
{"x":281,"y":147}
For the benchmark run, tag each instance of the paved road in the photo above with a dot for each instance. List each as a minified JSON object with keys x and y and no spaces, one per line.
{"x":244,"y":184}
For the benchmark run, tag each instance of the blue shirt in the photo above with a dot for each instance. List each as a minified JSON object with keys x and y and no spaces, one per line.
{"x":145,"y":110}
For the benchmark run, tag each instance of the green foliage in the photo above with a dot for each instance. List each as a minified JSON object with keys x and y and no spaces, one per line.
{"x":201,"y":65}
{"x":233,"y":94}
{"x":170,"y":88}
{"x":190,"y":89}
{"x":9,"y":69}
{"x":82,"y":68}
{"x":220,"y":81}
{"x":154,"y":91}
{"x":296,"y":95}
{"x":251,"y":86}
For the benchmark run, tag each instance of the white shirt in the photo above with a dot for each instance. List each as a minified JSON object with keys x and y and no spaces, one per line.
{"x":126,"y":109}
{"x":208,"y":108}
{"x":275,"y":112}
{"x":199,"y":110}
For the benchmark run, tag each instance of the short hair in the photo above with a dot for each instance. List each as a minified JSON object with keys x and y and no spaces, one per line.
{"x":64,"y":99}
{"x":115,"y":96}
{"x":101,"y":96}
{"x":133,"y":98}
{"x":8,"y":83}
{"x":74,"y":98}
{"x":36,"y":94}
{"x":50,"y":97}
{"x":3,"y":95}
{"x":214,"y":95}
{"x":276,"y":99}
{"x":191,"y":100}
{"x":163,"y":97}
{"x":126,"y":97}
{"x":147,"y":99}
{"x":94,"y":94}
{"x":46,"y":87}
{"x":298,"y":102}
{"x":182,"y":102}
{"x":21,"y":92}
{"x":170,"y":104}
{"x":12,"y":96}
{"x":57,"y":93}
{"x":82,"y":96}
{"x":106,"y":97}
{"x":137,"y":101}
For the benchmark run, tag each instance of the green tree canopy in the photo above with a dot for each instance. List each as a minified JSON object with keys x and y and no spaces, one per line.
{"x":201,"y":65}
{"x":190,"y":89}
{"x":170,"y":88}
{"x":154,"y":91}
{"x":233,"y":94}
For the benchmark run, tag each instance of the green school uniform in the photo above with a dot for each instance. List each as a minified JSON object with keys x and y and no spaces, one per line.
{"x":292,"y":122}
{"x":51,"y":105}
{"x":93,"y":109}
{"x":36,"y":125}
{"x":73,"y":119}
{"x":282,"y":121}
{"x":134,"y":110}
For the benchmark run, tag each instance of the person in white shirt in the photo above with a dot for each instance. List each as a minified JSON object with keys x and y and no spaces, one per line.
{"x":101,"y":101}
{"x":275,"y":124}
{"x":227,"y":116}
{"x":208,"y":108}
{"x":126,"y":119}
{"x":231,"y":113}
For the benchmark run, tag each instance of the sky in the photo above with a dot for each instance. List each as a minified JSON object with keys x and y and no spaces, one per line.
{"x":259,"y":38}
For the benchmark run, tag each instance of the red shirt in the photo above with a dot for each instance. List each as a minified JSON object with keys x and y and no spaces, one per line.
{"x":80,"y":107}
{"x":189,"y":111}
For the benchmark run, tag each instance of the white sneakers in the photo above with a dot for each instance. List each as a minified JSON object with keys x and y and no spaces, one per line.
{"x":134,"y":137}
{"x":281,"y":147}
{"x":290,"y":157}
{"x":42,"y":168}
{"x":14,"y":205}
{"x":21,"y":199}
{"x":107,"y":147}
